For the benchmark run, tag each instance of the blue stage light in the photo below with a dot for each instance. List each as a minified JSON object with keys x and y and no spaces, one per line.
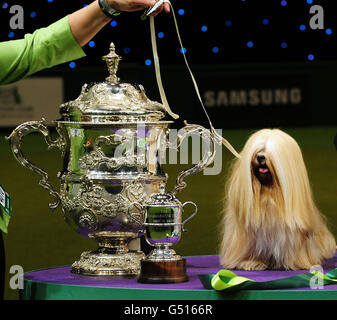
{"x":265,"y":21}
{"x":250,"y":44}
{"x":181,"y":12}
{"x":85,"y":5}
{"x":183,"y":50}
{"x":92,"y":44}
{"x":284,"y":45}
{"x":328,"y":31}
{"x":50,"y":0}
{"x":127,"y":50}
{"x":204,"y":28}
{"x":11,"y":35}
{"x":5,"y":6}
{"x":160,"y":35}
{"x":228,"y":23}
{"x":311,"y":57}
{"x":148,"y":62}
{"x":215,"y":49}
{"x":302,"y":27}
{"x":113,"y":23}
{"x":33,"y":14}
{"x":309,"y":1}
{"x":283,"y":3}
{"x":72,"y":65}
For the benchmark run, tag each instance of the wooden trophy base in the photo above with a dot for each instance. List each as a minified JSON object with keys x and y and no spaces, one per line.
{"x":163,"y":271}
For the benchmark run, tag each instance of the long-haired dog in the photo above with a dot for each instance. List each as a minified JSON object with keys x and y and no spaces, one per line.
{"x":270,"y":218}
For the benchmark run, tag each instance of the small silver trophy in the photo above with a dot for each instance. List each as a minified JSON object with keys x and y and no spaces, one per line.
{"x":162,"y":227}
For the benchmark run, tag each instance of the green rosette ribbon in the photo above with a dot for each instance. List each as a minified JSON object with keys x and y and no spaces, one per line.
{"x":226,"y":280}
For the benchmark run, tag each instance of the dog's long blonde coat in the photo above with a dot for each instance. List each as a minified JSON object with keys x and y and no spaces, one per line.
{"x":274,"y":226}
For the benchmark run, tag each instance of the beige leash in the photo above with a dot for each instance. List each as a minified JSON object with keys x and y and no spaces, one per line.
{"x":161,"y":88}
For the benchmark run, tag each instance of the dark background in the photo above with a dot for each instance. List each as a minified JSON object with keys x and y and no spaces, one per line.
{"x":231,"y":26}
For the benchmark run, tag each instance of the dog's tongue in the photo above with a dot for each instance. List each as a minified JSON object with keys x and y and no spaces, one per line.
{"x":263,"y":170}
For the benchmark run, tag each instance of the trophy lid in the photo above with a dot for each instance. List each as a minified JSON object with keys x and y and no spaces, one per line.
{"x":112,"y":100}
{"x":163,"y":199}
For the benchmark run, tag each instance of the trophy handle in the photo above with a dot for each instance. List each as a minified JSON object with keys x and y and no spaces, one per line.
{"x":140,"y":208}
{"x":15,"y":139}
{"x":191,"y":216}
{"x":207,"y":158}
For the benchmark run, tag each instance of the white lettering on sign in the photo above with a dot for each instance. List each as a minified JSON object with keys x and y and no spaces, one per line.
{"x":252,"y":97}
{"x":2,"y":197}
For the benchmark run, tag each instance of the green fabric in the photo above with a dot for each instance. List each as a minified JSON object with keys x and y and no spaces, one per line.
{"x":45,"y":48}
{"x":51,"y":291}
{"x":226,"y":280}
{"x":4,"y":220}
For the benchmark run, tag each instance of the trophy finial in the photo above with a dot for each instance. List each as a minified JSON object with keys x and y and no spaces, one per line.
{"x":112,"y":61}
{"x":162,"y":188}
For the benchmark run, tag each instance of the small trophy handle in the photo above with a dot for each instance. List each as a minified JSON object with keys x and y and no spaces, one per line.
{"x":191,"y":216}
{"x":206,"y":159}
{"x":140,"y":208}
{"x":15,"y":139}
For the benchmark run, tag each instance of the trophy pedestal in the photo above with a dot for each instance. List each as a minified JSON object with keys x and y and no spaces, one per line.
{"x":163,"y":271}
{"x":112,"y":257}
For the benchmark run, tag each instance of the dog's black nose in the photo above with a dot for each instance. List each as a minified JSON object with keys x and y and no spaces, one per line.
{"x":261,"y":158}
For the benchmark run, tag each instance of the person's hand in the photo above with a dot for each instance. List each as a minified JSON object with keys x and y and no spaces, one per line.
{"x":165,"y":6}
{"x":135,"y":5}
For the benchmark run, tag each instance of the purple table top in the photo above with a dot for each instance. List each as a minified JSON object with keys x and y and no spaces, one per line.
{"x":195,"y":265}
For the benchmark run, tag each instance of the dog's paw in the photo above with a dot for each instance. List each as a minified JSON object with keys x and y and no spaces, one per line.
{"x":252,"y":265}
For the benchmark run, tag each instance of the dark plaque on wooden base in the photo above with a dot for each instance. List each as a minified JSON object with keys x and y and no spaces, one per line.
{"x":163,"y":271}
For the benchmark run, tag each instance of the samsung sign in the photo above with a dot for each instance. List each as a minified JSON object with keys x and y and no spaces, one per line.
{"x":252,"y":97}
{"x":248,"y":98}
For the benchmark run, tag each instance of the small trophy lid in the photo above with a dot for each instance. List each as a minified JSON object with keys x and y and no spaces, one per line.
{"x":163,"y":199}
{"x":112,"y":100}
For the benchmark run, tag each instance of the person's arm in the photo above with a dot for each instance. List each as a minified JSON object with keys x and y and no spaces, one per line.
{"x":43,"y":49}
{"x":60,"y":42}
{"x":88,"y":21}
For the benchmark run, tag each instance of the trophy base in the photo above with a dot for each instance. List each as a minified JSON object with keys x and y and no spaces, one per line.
{"x":100,"y":264}
{"x":163,"y":271}
{"x":112,"y":258}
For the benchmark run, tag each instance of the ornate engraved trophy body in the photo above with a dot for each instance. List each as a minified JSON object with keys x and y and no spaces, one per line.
{"x":111,"y":138}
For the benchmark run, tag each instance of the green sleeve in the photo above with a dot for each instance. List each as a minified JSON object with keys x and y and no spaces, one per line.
{"x":43,"y":49}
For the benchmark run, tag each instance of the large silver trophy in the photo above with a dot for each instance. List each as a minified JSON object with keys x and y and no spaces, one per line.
{"x":111,"y":138}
